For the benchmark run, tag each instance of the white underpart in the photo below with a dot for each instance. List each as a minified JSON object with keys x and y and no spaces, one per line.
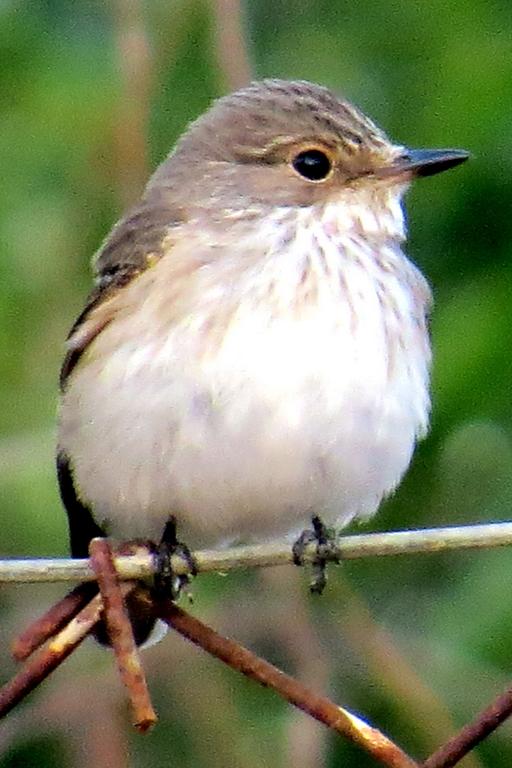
{"x":302,"y":409}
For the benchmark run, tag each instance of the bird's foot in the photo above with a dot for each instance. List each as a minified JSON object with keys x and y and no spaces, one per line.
{"x":325,"y":542}
{"x":167,"y":582}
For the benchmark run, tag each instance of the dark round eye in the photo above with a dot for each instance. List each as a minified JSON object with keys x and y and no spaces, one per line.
{"x":313,"y":164}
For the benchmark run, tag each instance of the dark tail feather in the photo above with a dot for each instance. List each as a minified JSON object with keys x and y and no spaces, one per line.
{"x":83,"y":528}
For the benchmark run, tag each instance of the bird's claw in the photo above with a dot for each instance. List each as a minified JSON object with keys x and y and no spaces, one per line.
{"x":325,"y":552}
{"x":166,"y":581}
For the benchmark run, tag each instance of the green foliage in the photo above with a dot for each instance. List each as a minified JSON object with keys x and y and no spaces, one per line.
{"x":434,"y":74}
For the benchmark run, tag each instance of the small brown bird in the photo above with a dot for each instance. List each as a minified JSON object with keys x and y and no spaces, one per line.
{"x":255,"y":351}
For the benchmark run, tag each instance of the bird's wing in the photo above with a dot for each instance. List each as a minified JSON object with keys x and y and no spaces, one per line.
{"x":137,"y":242}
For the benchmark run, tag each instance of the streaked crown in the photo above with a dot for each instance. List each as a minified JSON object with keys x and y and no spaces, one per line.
{"x":278,"y":142}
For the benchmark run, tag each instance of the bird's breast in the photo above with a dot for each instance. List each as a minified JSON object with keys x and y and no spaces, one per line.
{"x":300,"y":390}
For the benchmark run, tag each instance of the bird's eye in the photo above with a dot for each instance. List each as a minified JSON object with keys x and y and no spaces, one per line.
{"x":312,"y":164}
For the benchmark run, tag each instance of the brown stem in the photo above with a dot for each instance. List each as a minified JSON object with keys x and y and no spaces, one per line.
{"x":472,"y":734}
{"x":121,"y":634}
{"x":134,"y":61}
{"x":256,"y":668}
{"x":231,"y":44}
{"x":41,"y":664}
{"x":51,"y":622}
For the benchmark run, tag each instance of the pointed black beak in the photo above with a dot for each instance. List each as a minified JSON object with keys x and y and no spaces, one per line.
{"x":424,"y":162}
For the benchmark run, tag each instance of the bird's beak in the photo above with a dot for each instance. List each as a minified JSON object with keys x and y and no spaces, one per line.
{"x":423,"y":162}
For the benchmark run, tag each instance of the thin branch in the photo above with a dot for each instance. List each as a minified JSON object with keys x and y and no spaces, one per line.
{"x":66,"y":569}
{"x":473,"y":733}
{"x":138,"y":566}
{"x":47,"y":659}
{"x":55,"y":619}
{"x":322,"y":709}
{"x":120,"y":634}
{"x":41,"y":664}
{"x":390,"y":667}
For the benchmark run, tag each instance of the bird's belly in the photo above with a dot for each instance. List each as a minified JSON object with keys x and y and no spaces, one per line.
{"x":246,"y":441}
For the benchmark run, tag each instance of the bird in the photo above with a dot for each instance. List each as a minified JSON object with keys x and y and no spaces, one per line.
{"x":255,"y":352}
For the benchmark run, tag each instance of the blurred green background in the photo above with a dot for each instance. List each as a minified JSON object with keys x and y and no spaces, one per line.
{"x":92,"y":97}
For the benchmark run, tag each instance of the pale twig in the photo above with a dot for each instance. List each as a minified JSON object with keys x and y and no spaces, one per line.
{"x":279,"y":553}
{"x":322,"y":709}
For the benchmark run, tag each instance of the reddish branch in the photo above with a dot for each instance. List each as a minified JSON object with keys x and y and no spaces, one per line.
{"x":77,"y":626}
{"x":120,"y":634}
{"x":472,"y":734}
{"x":79,"y":621}
{"x":42,"y":663}
{"x":51,"y":622}
{"x":256,"y":668}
